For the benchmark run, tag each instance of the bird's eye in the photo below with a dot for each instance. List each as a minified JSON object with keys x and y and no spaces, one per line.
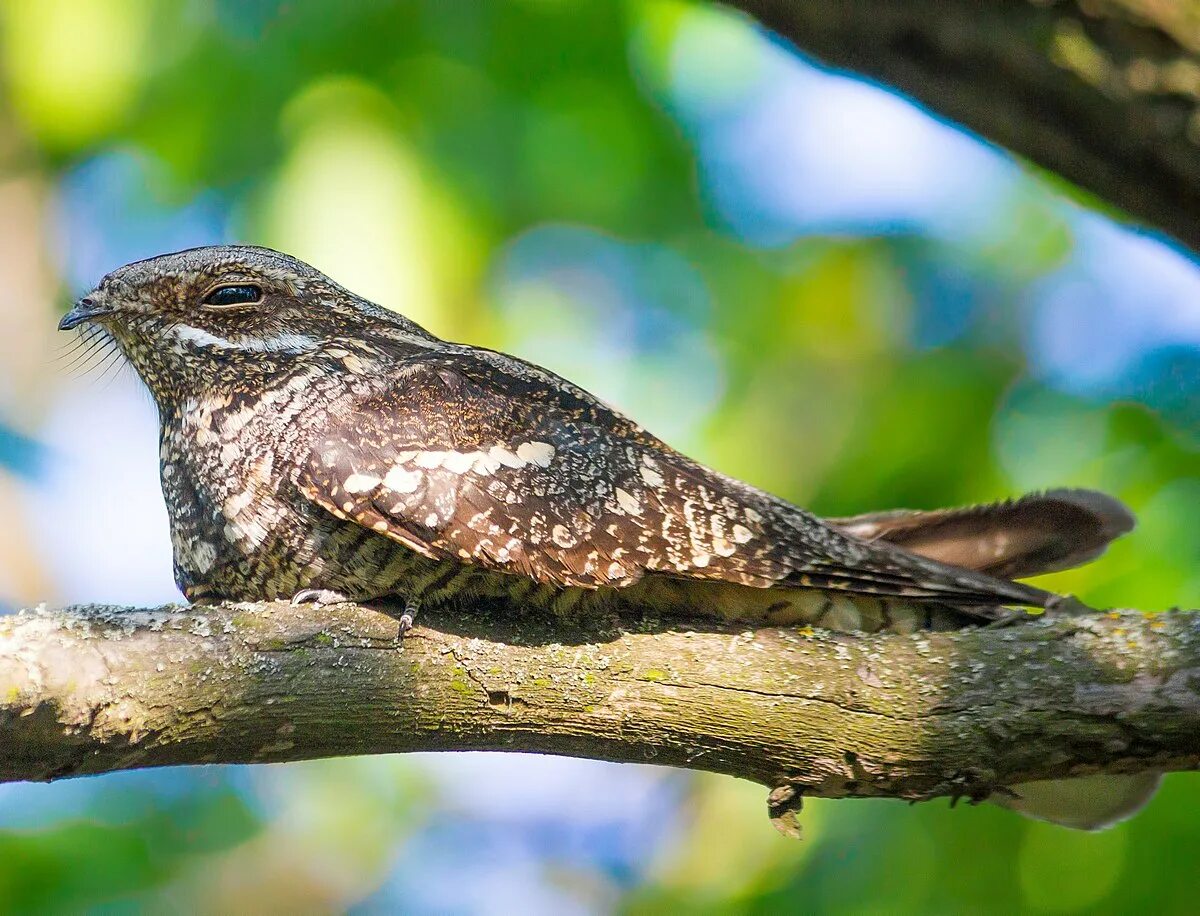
{"x":238,"y":294}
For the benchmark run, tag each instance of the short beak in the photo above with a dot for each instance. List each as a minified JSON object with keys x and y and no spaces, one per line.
{"x":88,"y":308}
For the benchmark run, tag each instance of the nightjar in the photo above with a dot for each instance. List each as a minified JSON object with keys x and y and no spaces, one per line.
{"x":316,"y":445}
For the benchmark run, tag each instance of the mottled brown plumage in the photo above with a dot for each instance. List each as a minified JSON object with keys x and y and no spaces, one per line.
{"x":316,"y":444}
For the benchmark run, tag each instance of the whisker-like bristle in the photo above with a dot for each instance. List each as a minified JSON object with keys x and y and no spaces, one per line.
{"x":84,"y":337}
{"x":88,"y":358}
{"x":111,"y":369}
{"x":83,"y":361}
{"x":98,"y":349}
{"x":65,"y":350}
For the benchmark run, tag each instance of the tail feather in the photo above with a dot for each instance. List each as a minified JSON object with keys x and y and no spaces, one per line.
{"x":1038,"y":533}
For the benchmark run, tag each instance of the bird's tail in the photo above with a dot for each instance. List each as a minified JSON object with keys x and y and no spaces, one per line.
{"x":1039,"y":533}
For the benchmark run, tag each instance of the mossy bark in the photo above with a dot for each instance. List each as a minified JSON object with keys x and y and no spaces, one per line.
{"x":805,"y":712}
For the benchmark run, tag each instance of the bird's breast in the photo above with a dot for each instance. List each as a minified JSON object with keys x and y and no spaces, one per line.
{"x":229,"y":462}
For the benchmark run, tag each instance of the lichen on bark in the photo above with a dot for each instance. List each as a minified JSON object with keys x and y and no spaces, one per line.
{"x":804,"y":712}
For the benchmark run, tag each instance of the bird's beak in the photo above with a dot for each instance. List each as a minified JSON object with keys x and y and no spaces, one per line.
{"x":89,"y":308}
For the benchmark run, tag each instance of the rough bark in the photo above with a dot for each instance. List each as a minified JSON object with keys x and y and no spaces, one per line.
{"x":1105,"y":93}
{"x":96,"y":689}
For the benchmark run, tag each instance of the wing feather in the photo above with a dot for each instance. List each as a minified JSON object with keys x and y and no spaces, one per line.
{"x":488,"y":461}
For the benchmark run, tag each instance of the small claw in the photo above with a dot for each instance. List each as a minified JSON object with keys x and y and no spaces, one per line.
{"x":318,"y":596}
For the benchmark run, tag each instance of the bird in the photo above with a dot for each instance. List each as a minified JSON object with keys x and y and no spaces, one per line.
{"x":318,"y":447}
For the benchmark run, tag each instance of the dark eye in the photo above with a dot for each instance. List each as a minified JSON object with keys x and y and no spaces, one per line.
{"x":241,"y":294}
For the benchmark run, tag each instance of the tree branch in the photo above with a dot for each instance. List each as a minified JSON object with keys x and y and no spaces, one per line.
{"x":96,"y":689}
{"x":1105,"y":93}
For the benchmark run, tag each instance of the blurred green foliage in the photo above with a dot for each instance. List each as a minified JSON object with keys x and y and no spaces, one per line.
{"x":77,"y":863}
{"x":515,"y":174}
{"x":870,"y":856}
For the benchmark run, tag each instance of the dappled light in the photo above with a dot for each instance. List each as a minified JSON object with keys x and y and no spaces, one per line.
{"x":797,"y":277}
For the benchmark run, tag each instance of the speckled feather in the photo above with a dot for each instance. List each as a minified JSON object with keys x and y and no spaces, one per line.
{"x":489,"y":463}
{"x":313,"y":440}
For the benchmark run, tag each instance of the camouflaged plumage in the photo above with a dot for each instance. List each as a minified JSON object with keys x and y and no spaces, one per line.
{"x":311,"y":440}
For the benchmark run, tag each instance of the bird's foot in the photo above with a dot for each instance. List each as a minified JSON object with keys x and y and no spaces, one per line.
{"x":318,"y":596}
{"x":410,"y":612}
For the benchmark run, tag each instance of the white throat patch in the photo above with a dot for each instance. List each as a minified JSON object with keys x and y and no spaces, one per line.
{"x":286,"y":342}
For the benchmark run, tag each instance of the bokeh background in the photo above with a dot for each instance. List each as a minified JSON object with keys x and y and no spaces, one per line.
{"x":793,"y":275}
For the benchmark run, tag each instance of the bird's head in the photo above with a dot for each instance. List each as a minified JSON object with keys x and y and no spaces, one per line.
{"x":205,"y":312}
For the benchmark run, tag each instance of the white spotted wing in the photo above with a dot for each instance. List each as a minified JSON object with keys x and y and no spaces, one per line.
{"x":481,"y":458}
